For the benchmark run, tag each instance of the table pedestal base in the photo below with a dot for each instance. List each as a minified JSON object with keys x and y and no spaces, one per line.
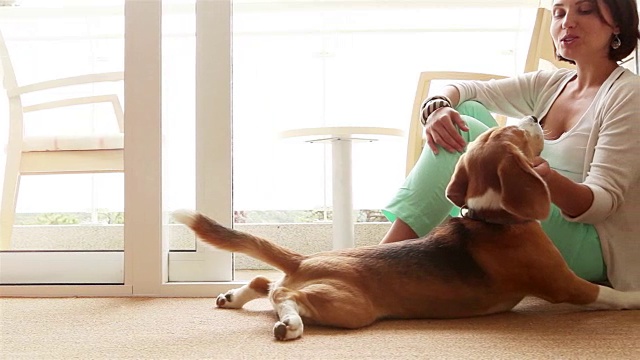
{"x":343,"y":234}
{"x":341,"y":139}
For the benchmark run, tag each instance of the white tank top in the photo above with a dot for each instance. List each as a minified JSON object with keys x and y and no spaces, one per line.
{"x":566,"y":153}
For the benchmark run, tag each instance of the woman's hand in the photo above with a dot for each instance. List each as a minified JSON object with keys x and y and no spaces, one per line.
{"x":442,"y":129}
{"x":571,"y":197}
{"x":541,"y":166}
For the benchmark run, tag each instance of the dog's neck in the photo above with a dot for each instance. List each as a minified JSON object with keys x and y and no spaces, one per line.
{"x":492,"y":216}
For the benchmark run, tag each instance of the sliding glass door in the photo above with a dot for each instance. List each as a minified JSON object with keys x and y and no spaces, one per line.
{"x":63,"y":130}
{"x":196,"y":124}
{"x":296,"y":64}
{"x":114,"y":233}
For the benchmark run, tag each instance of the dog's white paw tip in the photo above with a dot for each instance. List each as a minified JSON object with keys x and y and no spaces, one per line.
{"x":280,"y":331}
{"x":223,"y":299}
{"x":288,"y":329}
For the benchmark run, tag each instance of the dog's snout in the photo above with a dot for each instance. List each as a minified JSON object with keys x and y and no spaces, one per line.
{"x":529,"y":120}
{"x":532,"y":127}
{"x":530,"y":124}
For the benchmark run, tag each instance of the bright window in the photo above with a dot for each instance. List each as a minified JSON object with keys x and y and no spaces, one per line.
{"x":345,"y":63}
{"x":295,"y":64}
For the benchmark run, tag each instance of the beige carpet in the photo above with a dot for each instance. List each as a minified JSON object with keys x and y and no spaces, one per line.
{"x":159,"y":328}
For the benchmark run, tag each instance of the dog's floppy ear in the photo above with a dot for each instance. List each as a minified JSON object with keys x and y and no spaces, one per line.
{"x":524,"y":192}
{"x":457,"y":189}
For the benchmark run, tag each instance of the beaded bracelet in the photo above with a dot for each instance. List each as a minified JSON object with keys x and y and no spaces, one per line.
{"x":432,"y":104}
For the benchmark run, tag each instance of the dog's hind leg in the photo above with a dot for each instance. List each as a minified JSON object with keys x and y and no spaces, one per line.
{"x":338,"y":304}
{"x":236,"y":298}
{"x":286,"y":303}
{"x":322,"y":304}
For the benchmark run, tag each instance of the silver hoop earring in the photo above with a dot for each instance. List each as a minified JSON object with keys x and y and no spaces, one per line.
{"x":615,"y":44}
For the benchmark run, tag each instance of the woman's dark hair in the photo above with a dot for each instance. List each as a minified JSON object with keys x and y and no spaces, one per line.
{"x":625,"y":15}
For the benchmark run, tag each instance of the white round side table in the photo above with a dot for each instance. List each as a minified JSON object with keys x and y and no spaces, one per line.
{"x":341,"y":139}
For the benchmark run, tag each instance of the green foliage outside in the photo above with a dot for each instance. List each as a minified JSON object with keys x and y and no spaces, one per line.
{"x":240,"y":216}
{"x":79,"y":218}
{"x":57,"y":219}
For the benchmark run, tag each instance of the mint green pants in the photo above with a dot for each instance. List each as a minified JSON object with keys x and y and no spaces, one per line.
{"x":421,"y":202}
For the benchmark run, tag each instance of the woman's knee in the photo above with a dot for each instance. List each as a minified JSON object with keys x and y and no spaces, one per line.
{"x":478,"y":111}
{"x":476,"y":128}
{"x":471,"y":107}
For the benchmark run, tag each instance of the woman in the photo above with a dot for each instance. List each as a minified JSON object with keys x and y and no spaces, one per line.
{"x":591,"y":160}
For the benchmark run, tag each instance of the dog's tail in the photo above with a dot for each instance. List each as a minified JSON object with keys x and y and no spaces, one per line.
{"x":224,"y":238}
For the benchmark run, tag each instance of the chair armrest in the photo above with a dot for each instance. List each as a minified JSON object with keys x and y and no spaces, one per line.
{"x":415,"y":136}
{"x":69,"y":81}
{"x":111,"y":98}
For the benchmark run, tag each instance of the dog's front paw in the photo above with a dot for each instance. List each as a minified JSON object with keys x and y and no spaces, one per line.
{"x":289,"y":328}
{"x":228,"y":300}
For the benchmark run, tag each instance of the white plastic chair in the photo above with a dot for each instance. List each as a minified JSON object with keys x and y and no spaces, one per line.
{"x":53,"y":154}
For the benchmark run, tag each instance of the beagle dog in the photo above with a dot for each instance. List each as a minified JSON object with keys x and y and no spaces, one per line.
{"x":483,"y":262}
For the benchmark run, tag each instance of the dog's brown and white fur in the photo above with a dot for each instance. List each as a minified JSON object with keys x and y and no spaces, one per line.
{"x":482,"y":263}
